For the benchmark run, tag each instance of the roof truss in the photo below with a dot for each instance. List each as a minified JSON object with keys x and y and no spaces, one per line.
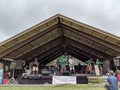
{"x":59,"y":35}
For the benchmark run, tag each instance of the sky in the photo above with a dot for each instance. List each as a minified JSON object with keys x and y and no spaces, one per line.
{"x":19,"y":15}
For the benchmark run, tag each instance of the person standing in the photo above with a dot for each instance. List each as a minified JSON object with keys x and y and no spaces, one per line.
{"x":79,"y":68}
{"x":112,"y":81}
{"x":89,"y":66}
{"x":63,"y":63}
{"x":35,"y":67}
{"x":99,"y":64}
{"x":118,"y":76}
{"x":56,"y":70}
{"x":71,"y":64}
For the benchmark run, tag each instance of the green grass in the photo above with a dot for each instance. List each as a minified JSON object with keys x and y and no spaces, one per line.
{"x":97,"y":79}
{"x":55,"y":87}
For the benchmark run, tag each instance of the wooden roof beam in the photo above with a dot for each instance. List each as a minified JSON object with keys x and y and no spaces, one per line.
{"x":83,"y":47}
{"x":90,"y":37}
{"x":48,"y":53}
{"x":52,"y":57}
{"x":48,"y":45}
{"x":19,"y":45}
{"x":84,"y":53}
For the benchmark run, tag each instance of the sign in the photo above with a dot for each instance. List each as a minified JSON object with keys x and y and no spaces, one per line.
{"x":64,"y":80}
{"x":97,"y":70}
{"x":116,"y":62}
{"x":1,"y":75}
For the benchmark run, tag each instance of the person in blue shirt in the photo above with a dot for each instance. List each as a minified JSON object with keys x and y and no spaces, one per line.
{"x":112,"y":81}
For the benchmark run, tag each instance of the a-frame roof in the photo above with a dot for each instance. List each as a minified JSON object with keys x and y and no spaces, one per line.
{"x":58,"y":35}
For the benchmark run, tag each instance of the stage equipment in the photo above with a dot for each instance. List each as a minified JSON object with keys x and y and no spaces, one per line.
{"x":19,"y":64}
{"x":19,"y":68}
{"x":57,"y":72}
{"x":66,"y":73}
{"x":12,"y":79}
{"x":45,"y":72}
{"x":116,"y":61}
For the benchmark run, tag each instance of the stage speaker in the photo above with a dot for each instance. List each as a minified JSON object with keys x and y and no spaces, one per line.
{"x":19,"y":64}
{"x":66,"y":73}
{"x":18,"y":70}
{"x":1,"y":65}
{"x":116,"y":61}
{"x":12,"y":65}
{"x":45,"y":72}
{"x":57,"y":72}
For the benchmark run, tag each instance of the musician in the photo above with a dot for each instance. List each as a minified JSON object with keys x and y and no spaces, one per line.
{"x":57,"y":65}
{"x":71,"y":64}
{"x":89,"y":66}
{"x":98,"y":62}
{"x":35,"y":66}
{"x":63,"y":63}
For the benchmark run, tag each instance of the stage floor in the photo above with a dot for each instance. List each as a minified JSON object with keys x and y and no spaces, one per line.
{"x":39,"y":79}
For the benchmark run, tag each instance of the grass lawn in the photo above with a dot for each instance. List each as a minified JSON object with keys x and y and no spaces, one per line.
{"x":55,"y":87}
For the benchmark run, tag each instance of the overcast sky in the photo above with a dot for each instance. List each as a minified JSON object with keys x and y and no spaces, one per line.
{"x":18,"y":15}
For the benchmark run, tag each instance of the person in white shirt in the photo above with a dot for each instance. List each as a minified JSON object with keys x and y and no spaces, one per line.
{"x":71,"y":62}
{"x":35,"y":67}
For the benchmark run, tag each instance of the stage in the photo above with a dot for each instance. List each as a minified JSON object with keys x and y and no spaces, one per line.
{"x":40,"y":79}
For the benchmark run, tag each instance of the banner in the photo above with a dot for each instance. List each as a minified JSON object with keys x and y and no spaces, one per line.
{"x":64,"y":80}
{"x":1,"y":75}
{"x":97,"y":71}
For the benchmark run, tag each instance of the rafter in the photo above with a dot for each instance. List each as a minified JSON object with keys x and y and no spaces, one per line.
{"x":21,"y":44}
{"x":44,"y":48}
{"x":92,"y":38}
{"x":86,"y":48}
